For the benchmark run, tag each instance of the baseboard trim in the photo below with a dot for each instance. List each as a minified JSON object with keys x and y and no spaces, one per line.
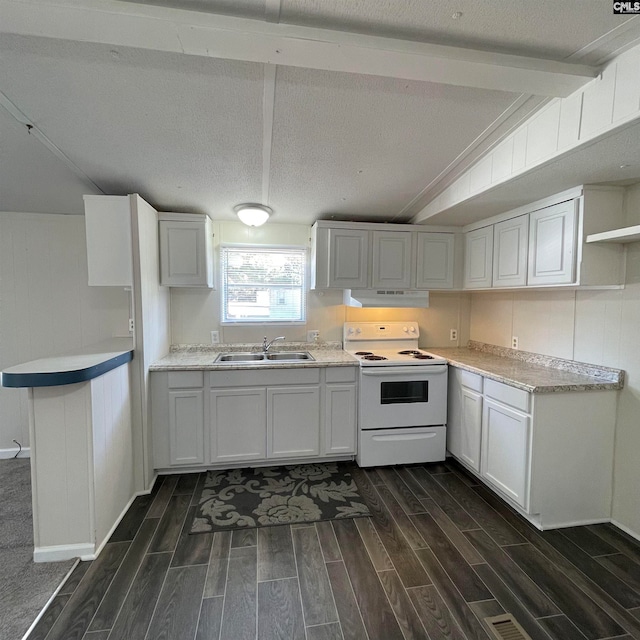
{"x":50,"y":600}
{"x":64,"y":552}
{"x":6,"y":454}
{"x":547,"y":526}
{"x":168,"y":471}
{"x":629,"y":532}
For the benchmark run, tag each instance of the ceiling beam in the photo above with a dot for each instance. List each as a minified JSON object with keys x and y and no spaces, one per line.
{"x":143,"y":26}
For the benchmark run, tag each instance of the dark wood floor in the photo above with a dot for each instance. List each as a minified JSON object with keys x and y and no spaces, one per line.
{"x":440,"y":554}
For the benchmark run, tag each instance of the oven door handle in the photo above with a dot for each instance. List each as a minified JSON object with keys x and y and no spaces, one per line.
{"x":416,"y":370}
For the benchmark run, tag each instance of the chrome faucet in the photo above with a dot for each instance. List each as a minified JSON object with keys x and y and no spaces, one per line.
{"x":266,"y":345}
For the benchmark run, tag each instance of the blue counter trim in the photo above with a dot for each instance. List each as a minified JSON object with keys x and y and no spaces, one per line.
{"x":57,"y":378}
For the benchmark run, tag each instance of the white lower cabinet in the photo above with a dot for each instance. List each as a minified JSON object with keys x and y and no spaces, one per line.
{"x":340,"y":415}
{"x":465,"y":417}
{"x":186,"y":426}
{"x":505,"y":450}
{"x":550,"y":455}
{"x":230,"y":417}
{"x":293,"y":422}
{"x":237,"y":424}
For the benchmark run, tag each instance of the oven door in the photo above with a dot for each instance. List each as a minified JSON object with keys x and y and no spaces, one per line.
{"x":412,"y":396}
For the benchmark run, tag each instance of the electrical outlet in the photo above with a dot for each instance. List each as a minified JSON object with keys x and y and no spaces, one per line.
{"x":215,"y":337}
{"x":313,"y":335}
{"x":453,"y":334}
{"x":514,"y":342}
{"x":130,"y":325}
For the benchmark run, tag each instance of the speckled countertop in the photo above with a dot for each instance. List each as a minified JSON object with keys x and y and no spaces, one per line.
{"x":532,"y":372}
{"x":202,"y":356}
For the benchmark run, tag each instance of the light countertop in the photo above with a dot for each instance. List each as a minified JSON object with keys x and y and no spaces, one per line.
{"x":189,"y":359}
{"x":532,"y":372}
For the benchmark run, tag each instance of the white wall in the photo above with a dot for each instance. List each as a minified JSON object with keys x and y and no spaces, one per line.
{"x":601,"y":327}
{"x":46,"y":306}
{"x":196,"y":312}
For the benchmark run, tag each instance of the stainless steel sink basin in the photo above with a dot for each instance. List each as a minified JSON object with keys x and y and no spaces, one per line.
{"x":255,"y":358}
{"x":240,"y":357}
{"x":289,"y":355}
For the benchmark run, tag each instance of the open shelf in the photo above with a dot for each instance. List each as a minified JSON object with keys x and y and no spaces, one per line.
{"x":627,"y":234}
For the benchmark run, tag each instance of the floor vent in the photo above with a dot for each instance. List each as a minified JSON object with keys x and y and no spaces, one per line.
{"x":506,"y":627}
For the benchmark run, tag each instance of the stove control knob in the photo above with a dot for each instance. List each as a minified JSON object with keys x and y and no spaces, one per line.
{"x":350,"y":331}
{"x":405,"y":329}
{"x":358,"y":330}
{"x":412,"y":329}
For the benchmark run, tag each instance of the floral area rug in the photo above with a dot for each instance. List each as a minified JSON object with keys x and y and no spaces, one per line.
{"x":266,"y":496}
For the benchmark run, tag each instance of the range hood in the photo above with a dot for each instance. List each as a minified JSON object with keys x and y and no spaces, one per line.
{"x":385,"y":298}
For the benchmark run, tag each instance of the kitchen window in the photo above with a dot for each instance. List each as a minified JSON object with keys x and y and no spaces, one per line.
{"x":263,"y":285}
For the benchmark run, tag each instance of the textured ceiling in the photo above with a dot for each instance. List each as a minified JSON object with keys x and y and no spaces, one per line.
{"x":362,"y":147}
{"x":202,"y":134}
{"x":31,"y":177}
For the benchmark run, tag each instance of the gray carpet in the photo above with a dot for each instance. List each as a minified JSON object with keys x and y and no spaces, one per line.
{"x":25,"y":587}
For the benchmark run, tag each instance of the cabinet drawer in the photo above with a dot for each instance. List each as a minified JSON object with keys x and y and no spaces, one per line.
{"x":184,"y":379}
{"x":512,"y":397}
{"x":470,"y":380}
{"x":341,"y":374}
{"x":264,"y":377}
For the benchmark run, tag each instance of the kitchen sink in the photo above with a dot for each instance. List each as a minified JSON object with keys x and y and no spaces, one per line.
{"x":284,"y":355}
{"x":240,"y":357}
{"x":281,"y":356}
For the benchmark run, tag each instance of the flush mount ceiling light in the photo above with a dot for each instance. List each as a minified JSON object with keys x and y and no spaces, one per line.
{"x":253,"y":215}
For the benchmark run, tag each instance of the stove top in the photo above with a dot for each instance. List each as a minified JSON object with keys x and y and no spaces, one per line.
{"x":387,"y":344}
{"x":393,"y":357}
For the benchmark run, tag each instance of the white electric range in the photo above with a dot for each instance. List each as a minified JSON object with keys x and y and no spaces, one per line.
{"x":403,"y":394}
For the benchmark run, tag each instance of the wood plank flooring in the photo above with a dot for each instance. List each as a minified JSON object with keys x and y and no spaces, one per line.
{"x":440,"y":554}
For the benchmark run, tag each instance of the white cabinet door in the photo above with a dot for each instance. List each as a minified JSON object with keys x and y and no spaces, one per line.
{"x":552,"y":240}
{"x":434,"y":260}
{"x":293,"y":422}
{"x":391,"y":259}
{"x":185,"y":253}
{"x":506,"y":451}
{"x":471,"y":432}
{"x":340,"y":419}
{"x":186,"y":427}
{"x":510,"y":244}
{"x":464,"y":421}
{"x":109,"y":247}
{"x":478,"y":259}
{"x":348,"y":258}
{"x":238,"y":424}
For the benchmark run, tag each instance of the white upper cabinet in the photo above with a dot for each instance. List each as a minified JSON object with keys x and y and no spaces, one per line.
{"x":549,"y":243}
{"x":364,"y":255}
{"x":109,"y":247}
{"x":478,"y":259}
{"x":552,"y":240}
{"x":348,"y":258}
{"x":186,"y":250}
{"x":391,"y":259}
{"x":510,"y":245}
{"x":434,"y":255}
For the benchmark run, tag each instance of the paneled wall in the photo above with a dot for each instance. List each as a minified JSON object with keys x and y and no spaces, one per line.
{"x":608,"y":102}
{"x":196,"y":312}
{"x":46,"y":306}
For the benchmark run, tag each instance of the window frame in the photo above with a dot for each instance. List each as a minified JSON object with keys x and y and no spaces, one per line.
{"x":249,"y":246}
